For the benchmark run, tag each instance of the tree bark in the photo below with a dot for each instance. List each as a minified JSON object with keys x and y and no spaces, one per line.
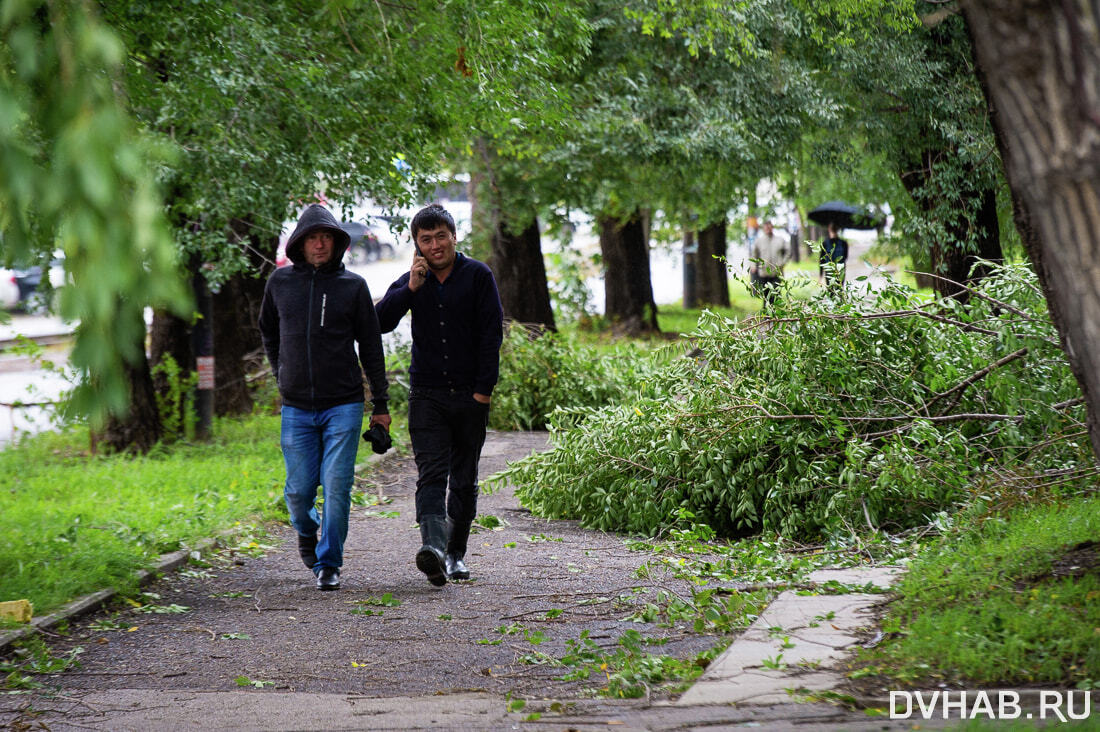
{"x":140,"y":428}
{"x":628,"y":289}
{"x":517,"y":264}
{"x":170,"y":335}
{"x":236,"y":313}
{"x":1038,"y":61}
{"x":514,"y":242}
{"x":711,"y":276}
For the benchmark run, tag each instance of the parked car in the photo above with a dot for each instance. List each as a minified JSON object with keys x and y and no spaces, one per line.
{"x":367,"y":242}
{"x":23,"y":288}
{"x":9,"y":289}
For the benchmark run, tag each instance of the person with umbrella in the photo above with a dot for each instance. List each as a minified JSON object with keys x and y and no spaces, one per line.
{"x":837,"y":215}
{"x":834,"y":255}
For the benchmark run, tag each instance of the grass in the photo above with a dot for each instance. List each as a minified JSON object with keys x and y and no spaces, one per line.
{"x":993,"y":603}
{"x":74,"y":523}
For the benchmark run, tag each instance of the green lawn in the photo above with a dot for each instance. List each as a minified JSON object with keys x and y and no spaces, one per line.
{"x":74,"y":523}
{"x":1008,"y":599}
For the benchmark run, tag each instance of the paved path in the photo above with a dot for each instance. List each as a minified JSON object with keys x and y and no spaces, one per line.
{"x":324,"y":667}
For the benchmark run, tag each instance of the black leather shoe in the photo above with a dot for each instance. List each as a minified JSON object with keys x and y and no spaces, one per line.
{"x":456,"y":568}
{"x":329,"y":579}
{"x":307,"y":550}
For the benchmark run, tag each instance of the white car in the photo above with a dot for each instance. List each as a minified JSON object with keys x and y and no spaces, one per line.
{"x":9,"y":290}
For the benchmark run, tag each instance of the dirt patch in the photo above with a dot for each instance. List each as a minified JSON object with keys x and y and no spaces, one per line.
{"x":1079,"y":560}
{"x":260,"y":623}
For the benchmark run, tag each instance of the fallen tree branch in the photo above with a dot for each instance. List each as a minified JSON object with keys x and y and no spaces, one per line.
{"x":977,"y":293}
{"x":976,"y":376}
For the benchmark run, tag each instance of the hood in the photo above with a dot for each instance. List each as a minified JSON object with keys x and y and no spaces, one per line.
{"x":313,"y":218}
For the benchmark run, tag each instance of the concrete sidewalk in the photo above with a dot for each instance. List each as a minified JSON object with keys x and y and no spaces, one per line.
{"x":795,"y":644}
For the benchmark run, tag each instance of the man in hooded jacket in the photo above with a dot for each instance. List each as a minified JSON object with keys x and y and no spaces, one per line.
{"x":312,"y":316}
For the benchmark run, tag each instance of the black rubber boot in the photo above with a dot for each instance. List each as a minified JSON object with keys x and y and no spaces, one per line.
{"x":430,"y":559}
{"x":458,"y":533}
{"x":307,"y":549}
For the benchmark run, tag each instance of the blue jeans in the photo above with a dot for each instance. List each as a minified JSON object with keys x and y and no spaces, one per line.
{"x":319,"y":448}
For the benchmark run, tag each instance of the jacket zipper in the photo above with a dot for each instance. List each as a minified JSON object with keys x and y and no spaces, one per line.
{"x":309,"y":342}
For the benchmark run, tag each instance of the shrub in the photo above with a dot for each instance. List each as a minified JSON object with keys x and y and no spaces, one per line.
{"x":541,"y":372}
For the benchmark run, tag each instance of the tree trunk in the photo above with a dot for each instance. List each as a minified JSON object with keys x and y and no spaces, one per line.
{"x":628,"y":290}
{"x":947,"y":260}
{"x":711,"y":276}
{"x":236,"y":312}
{"x":236,"y":338}
{"x":691,"y":263}
{"x":170,"y":335}
{"x":517,"y":264}
{"x":951,"y":262}
{"x":1037,"y":62}
{"x":139,"y":429}
{"x":514,"y":243}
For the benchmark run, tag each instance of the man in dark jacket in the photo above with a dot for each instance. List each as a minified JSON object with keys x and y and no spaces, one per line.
{"x":312,"y":316}
{"x":457,"y":329}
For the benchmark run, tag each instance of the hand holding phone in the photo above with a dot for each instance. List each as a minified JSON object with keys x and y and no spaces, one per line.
{"x":418,"y":272}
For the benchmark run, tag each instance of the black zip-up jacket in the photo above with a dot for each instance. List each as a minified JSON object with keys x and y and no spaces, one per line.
{"x":312,"y":318}
{"x":457,"y":327}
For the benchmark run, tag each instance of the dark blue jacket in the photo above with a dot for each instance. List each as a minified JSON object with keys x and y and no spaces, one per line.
{"x":834,"y":250}
{"x":457,"y":327}
{"x":311,"y":320}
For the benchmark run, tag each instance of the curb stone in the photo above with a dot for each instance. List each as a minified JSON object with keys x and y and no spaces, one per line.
{"x":795,"y":643}
{"x":166,"y":563}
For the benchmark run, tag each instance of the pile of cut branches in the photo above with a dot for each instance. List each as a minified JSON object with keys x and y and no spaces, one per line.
{"x":879,"y":410}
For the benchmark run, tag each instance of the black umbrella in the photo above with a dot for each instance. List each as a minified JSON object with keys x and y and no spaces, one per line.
{"x":844,"y":216}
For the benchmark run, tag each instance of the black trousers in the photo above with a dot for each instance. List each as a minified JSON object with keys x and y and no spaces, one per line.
{"x":447,"y":429}
{"x":767,"y":288}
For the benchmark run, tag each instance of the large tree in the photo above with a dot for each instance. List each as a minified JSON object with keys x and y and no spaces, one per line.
{"x":1038,"y":62}
{"x":907,"y":98}
{"x":664,"y":123}
{"x":269,"y":105}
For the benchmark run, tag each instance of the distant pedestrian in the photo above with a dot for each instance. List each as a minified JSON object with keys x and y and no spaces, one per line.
{"x":833,"y":260}
{"x":312,"y":316}
{"x":772,"y":250}
{"x":457,"y":329}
